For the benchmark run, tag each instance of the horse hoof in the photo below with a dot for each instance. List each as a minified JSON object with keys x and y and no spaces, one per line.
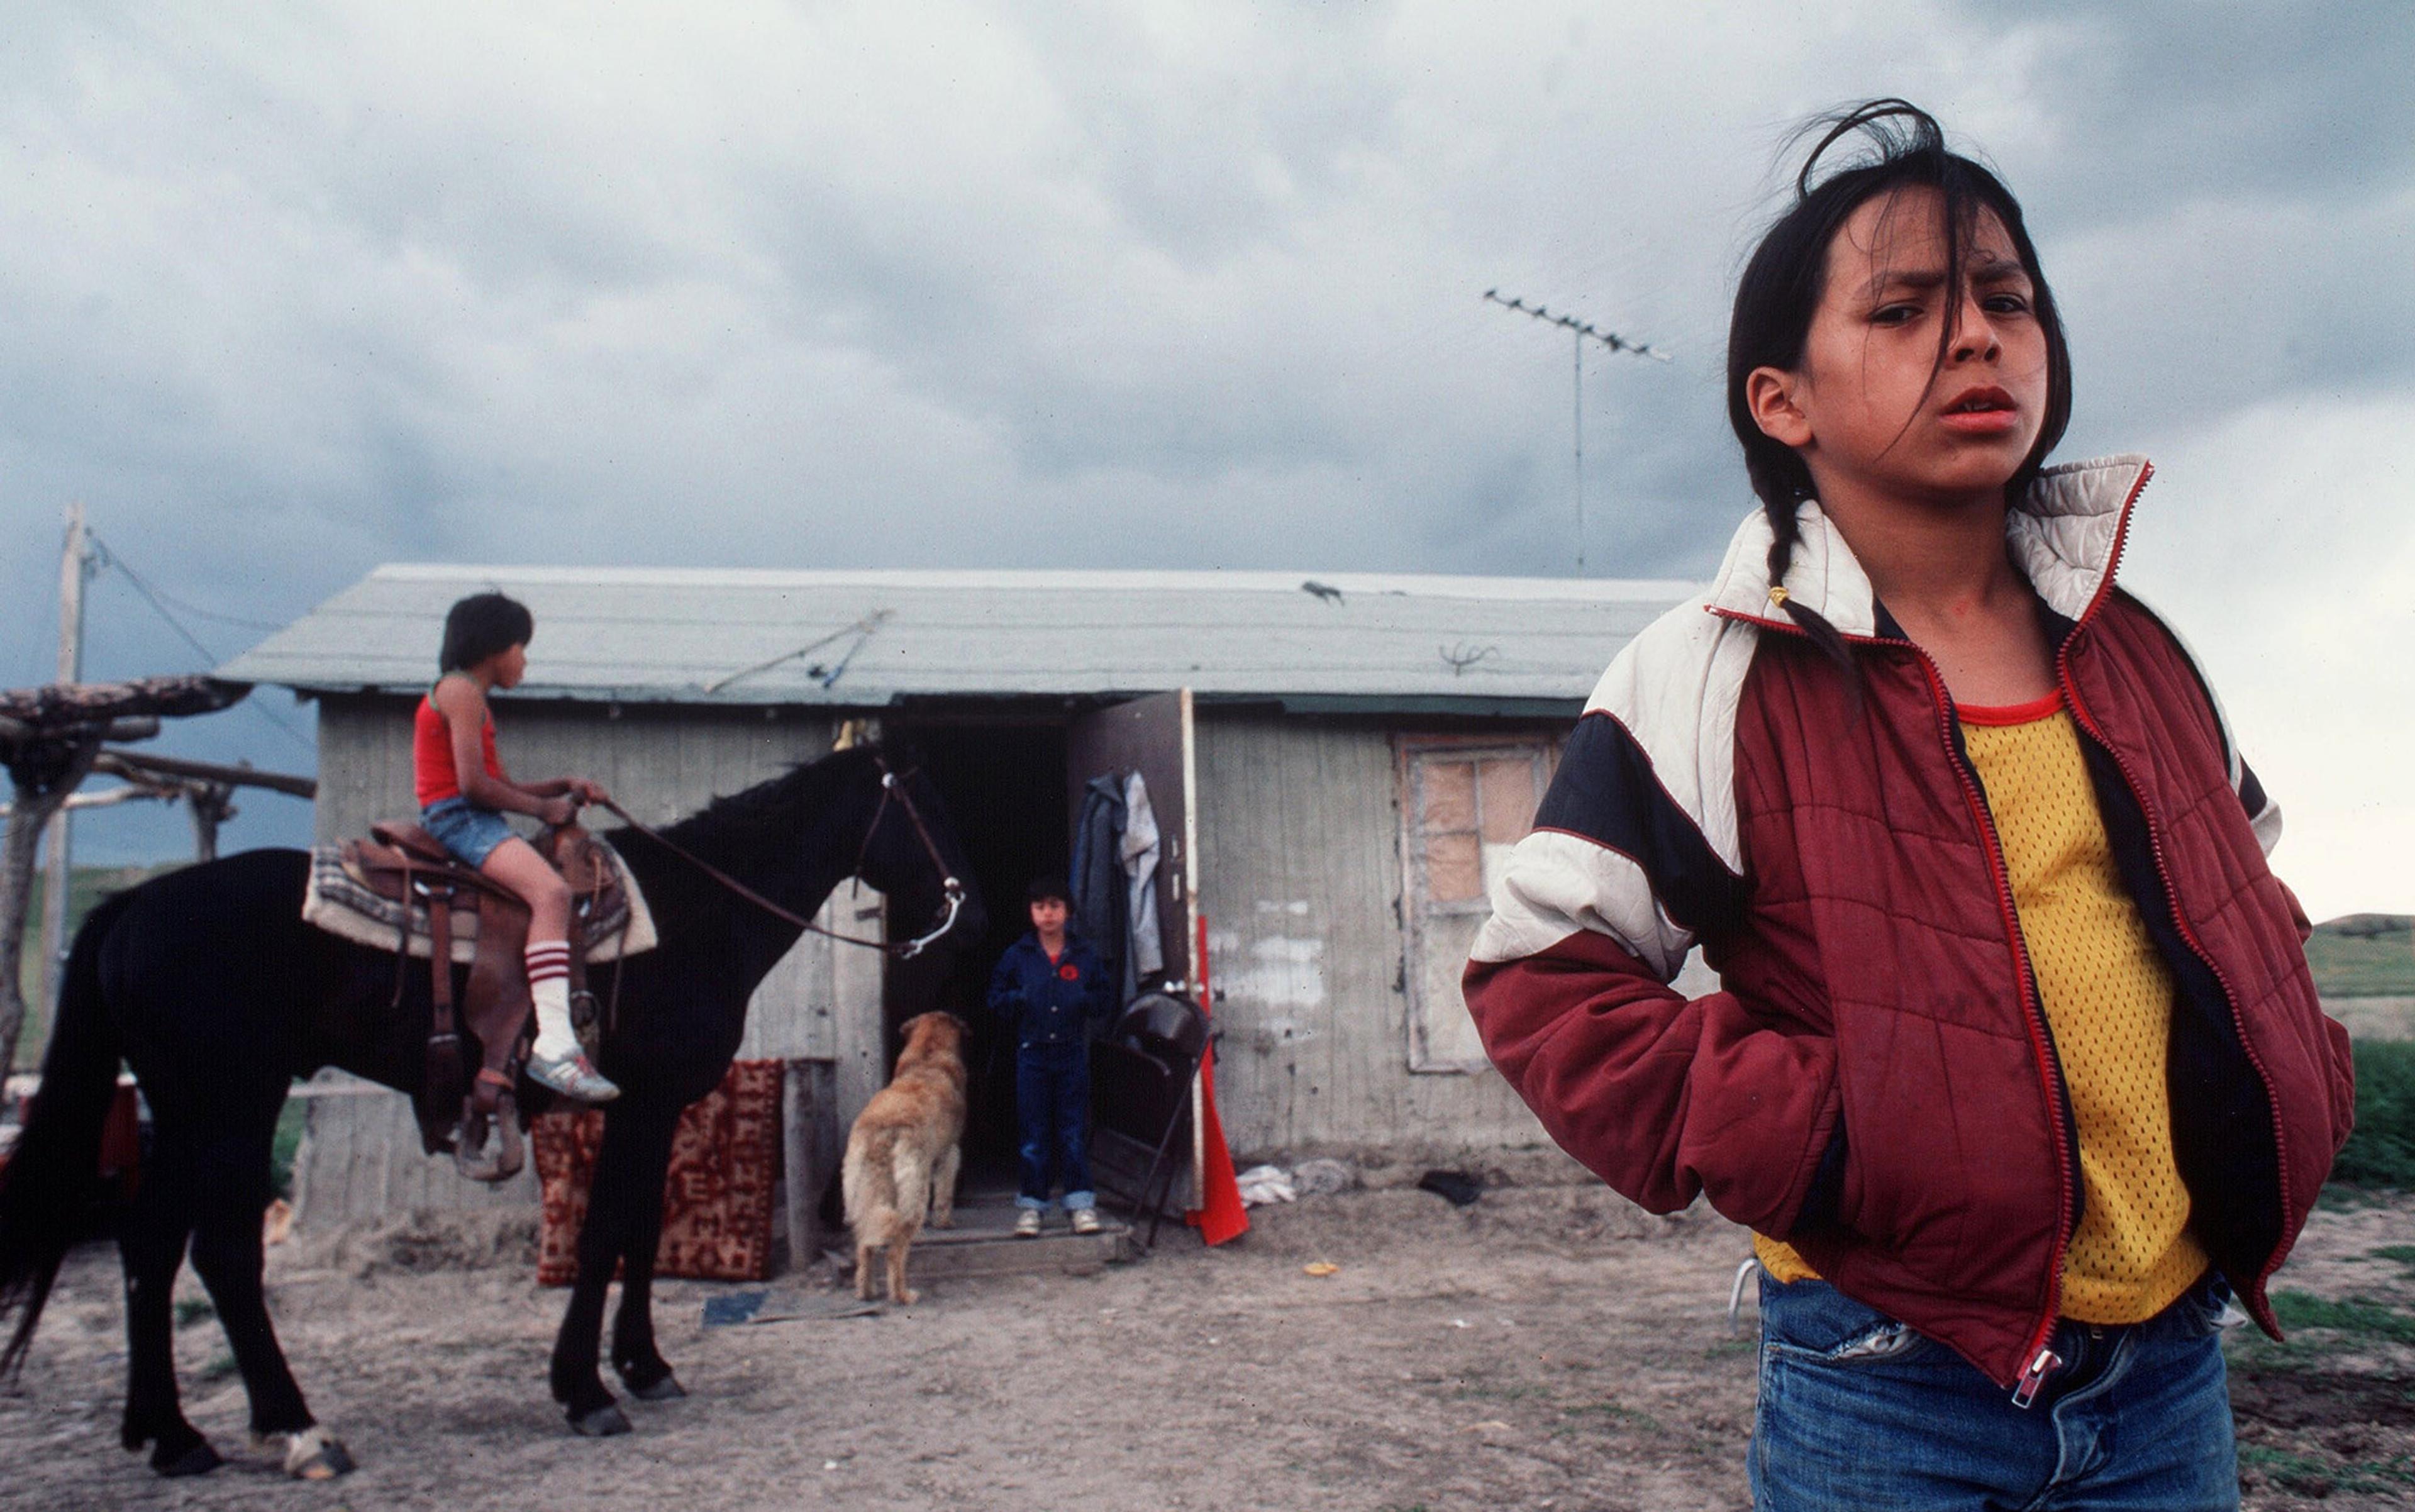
{"x":665,"y":1389}
{"x":605,"y":1422}
{"x":315,"y":1454}
{"x":199,"y":1460}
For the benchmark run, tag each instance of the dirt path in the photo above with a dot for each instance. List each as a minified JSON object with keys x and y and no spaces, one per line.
{"x":1547,"y":1348}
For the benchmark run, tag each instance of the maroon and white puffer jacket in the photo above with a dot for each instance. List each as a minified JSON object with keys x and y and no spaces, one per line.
{"x":1875,"y":1082}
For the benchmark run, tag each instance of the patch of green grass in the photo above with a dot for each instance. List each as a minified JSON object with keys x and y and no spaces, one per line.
{"x":1624,"y":1416}
{"x":2354,"y":1315}
{"x":2364,"y":956}
{"x":190,"y":1309}
{"x":221,"y":1366}
{"x":2381,"y":1152}
{"x":2318,"y":1479}
{"x":2403,"y":1254}
{"x":290,"y":1120}
{"x":1489,"y":1393}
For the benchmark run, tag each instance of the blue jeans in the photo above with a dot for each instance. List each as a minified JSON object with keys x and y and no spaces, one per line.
{"x":1858,"y":1411}
{"x":469,"y":833}
{"x":1052,"y":1104}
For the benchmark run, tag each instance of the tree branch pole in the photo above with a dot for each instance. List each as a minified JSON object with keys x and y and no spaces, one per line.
{"x":37,"y":801}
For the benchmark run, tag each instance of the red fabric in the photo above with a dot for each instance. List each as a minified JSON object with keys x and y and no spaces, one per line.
{"x":433,"y":777}
{"x":716,"y":1198}
{"x":1223,"y":1217}
{"x":1878,"y":942}
{"x":2007,"y":714}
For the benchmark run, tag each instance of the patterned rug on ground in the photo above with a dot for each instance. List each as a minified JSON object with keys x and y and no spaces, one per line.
{"x":716,"y":1199}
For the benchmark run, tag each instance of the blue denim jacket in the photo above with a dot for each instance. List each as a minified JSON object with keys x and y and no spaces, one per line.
{"x":1050,"y":1002}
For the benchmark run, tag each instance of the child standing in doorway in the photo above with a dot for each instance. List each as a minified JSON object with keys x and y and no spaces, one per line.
{"x":1050,"y":988}
{"x":463,"y":795}
{"x":2015,"y":1067}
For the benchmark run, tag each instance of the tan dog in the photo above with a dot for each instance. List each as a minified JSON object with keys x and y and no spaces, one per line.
{"x":903,"y":1152}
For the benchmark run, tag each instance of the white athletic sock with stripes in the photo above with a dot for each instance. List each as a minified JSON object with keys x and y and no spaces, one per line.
{"x":549,"y":979}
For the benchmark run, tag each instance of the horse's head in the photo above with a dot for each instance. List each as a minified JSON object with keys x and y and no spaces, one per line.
{"x":911,"y":853}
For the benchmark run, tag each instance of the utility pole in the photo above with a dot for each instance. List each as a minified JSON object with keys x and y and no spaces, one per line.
{"x":1579,"y":330}
{"x":75,"y":566}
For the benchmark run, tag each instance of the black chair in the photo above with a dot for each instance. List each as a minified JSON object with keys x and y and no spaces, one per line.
{"x":1142,"y":1077}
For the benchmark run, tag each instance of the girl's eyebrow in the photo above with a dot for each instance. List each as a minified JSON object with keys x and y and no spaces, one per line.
{"x":1988,"y":270}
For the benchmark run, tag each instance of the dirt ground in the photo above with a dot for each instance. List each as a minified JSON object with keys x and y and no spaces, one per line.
{"x":1547,"y":1348}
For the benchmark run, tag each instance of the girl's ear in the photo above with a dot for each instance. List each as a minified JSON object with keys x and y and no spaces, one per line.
{"x":1769,"y":394}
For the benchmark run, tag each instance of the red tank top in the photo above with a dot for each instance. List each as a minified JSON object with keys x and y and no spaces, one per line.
{"x":431,"y":754}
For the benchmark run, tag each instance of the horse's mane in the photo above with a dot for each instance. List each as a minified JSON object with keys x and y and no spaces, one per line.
{"x":768,"y":810}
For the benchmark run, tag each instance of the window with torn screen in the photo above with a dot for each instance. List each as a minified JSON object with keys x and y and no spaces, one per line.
{"x":1462,"y":807}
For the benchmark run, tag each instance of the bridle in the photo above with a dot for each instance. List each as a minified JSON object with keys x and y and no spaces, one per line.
{"x":893,"y":786}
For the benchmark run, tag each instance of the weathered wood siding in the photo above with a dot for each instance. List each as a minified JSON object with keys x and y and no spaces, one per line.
{"x":1299,"y":856}
{"x":360,"y":1159}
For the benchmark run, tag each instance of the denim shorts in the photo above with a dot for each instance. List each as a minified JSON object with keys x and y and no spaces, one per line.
{"x":469,"y":833}
{"x":1858,"y":1411}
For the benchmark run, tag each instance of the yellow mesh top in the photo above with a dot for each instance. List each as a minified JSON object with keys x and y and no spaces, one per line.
{"x":2109,"y":1002}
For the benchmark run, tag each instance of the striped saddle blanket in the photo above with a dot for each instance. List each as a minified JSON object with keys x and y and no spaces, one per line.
{"x":341,"y":901}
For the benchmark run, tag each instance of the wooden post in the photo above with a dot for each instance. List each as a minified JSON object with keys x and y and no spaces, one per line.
{"x":39,"y":794}
{"x":806,"y":1121}
{"x":211,"y":804}
{"x":59,"y":873}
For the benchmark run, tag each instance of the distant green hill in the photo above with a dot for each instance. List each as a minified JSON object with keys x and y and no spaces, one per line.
{"x":2364,"y":956}
{"x":90,"y":884}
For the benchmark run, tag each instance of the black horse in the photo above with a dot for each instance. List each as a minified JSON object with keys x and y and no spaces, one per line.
{"x":208,"y":982}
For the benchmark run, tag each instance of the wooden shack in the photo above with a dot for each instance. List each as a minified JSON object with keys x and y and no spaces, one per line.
{"x":1337,"y":762}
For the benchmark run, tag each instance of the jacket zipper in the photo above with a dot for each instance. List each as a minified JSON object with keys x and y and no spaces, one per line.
{"x":2256,"y":1300}
{"x":2188,"y":935}
{"x":2042,"y":1361}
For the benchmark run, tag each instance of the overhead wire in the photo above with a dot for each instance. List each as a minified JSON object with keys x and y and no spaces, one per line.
{"x":105,"y":557}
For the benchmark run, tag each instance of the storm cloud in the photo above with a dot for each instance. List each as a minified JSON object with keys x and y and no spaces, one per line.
{"x":1151,"y":286}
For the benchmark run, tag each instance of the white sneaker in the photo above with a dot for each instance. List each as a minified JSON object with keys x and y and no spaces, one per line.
{"x":571,"y":1075}
{"x":1026,"y":1223}
{"x":1085,"y":1220}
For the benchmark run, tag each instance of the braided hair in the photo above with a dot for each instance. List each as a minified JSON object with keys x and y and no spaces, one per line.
{"x":1782,"y":284}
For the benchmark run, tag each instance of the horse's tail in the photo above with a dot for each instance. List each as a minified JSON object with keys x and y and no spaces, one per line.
{"x":50,"y":1174}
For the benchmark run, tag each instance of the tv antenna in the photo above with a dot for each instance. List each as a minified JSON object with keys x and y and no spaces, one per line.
{"x":1580,"y":331}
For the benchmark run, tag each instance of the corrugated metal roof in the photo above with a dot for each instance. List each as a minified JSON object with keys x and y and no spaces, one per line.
{"x":872,"y":638}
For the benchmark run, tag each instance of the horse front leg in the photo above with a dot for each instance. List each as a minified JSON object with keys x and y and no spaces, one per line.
{"x":635,"y":1356}
{"x":617,"y":1195}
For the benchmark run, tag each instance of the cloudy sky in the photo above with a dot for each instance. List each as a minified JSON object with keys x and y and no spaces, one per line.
{"x":1149,"y":285}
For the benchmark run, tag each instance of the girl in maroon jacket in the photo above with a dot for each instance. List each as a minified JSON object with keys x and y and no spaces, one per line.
{"x":2016,"y":1071}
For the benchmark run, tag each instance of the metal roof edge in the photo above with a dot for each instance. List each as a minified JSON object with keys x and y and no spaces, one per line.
{"x":1431,"y":585}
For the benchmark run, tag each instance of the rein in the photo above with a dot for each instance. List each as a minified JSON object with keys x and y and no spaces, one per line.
{"x":890,"y":787}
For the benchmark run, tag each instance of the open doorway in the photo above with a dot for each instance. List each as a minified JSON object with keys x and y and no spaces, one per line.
{"x":1004,"y":787}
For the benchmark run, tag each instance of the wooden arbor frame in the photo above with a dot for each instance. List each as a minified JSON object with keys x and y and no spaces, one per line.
{"x":52,"y":737}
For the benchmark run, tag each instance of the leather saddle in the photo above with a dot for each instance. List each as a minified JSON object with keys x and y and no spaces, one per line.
{"x":459,"y":1108}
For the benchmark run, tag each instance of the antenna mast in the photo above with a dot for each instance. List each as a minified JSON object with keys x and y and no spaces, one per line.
{"x":1578,"y":331}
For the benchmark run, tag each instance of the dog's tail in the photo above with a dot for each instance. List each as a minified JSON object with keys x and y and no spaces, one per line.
{"x":910,"y":1171}
{"x":866,"y":1184}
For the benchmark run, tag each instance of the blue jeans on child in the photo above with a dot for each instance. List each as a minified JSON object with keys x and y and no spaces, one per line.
{"x":1052,"y":1104}
{"x":1858,"y":1411}
{"x":469,"y":833}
